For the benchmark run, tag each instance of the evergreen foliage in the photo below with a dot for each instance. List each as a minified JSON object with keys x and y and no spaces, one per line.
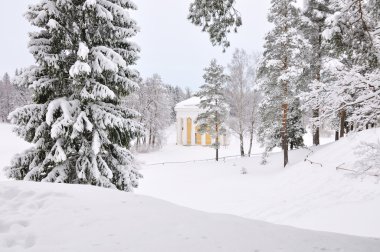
{"x":350,"y":84}
{"x":280,"y":71}
{"x":213,"y":103}
{"x":80,"y":130}
{"x":217,"y":18}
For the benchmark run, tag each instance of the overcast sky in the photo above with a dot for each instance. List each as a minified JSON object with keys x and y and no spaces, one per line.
{"x":171,"y":45}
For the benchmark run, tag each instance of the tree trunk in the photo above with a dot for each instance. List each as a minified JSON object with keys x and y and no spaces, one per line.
{"x":217,"y":139}
{"x":342,"y":121}
{"x":250,"y":140}
{"x":336,"y":135}
{"x":241,"y":144}
{"x":318,"y":78}
{"x":316,"y":128}
{"x":284,"y":132}
{"x":285,"y":108}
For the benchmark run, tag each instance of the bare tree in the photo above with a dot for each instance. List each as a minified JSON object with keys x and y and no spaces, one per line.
{"x":240,"y":95}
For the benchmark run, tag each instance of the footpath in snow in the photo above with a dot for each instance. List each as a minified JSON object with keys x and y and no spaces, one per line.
{"x":302,"y":195}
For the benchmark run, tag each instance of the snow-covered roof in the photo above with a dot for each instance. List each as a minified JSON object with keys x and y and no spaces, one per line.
{"x":191,"y":103}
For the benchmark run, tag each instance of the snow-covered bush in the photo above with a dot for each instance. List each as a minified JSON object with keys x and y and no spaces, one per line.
{"x":369,"y":162}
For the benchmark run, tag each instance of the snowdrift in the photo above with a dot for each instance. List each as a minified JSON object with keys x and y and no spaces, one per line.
{"x":59,"y":217}
{"x":303,"y":195}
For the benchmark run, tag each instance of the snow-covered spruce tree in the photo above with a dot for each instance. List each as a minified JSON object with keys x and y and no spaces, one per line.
{"x":280,"y":71}
{"x":213,"y":103}
{"x":80,"y":131}
{"x":315,"y":14}
{"x":217,"y":18}
{"x":238,"y":93}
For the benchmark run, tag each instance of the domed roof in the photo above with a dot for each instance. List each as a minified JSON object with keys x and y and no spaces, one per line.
{"x":191,"y":103}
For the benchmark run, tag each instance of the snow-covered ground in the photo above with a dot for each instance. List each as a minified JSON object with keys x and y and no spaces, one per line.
{"x":302,"y":195}
{"x":42,"y":217}
{"x":51,"y":217}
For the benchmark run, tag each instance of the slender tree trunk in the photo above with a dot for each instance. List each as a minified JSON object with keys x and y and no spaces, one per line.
{"x":241,"y":144}
{"x":250,"y":140}
{"x":318,"y":78}
{"x":217,"y":138}
{"x":342,"y":121}
{"x":284,"y":133}
{"x":315,"y":128}
{"x":285,"y":109}
{"x":336,"y":135}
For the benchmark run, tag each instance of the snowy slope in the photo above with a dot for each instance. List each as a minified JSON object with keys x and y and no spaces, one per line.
{"x":58,"y":217}
{"x":302,"y":195}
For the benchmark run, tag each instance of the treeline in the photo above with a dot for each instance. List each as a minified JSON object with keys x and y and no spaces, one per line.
{"x":155,"y":101}
{"x":323,"y":60}
{"x":12,"y":96}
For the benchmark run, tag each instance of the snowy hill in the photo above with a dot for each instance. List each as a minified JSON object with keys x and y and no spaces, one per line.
{"x":46,"y":217}
{"x":303,"y":195}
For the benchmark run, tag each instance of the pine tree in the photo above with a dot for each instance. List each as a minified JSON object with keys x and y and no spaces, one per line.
{"x":213,"y":103}
{"x":316,"y":13}
{"x":295,"y":127}
{"x":217,"y":18}
{"x":280,"y":71}
{"x":80,"y":130}
{"x":351,"y":85}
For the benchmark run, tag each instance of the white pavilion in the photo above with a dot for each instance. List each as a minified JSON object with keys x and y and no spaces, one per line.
{"x":187,"y":131}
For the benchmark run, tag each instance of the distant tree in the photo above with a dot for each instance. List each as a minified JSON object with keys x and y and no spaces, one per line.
{"x":11,"y":97}
{"x":175,"y":95}
{"x":83,"y":52}
{"x":7,"y":92}
{"x":152,"y":101}
{"x":254,"y":98}
{"x":214,"y":104}
{"x":238,"y":94}
{"x":217,"y":18}
{"x":188,"y":93}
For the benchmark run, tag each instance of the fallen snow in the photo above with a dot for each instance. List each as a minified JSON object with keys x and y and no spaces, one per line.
{"x":83,"y":50}
{"x":59,"y":217}
{"x":303,"y":195}
{"x":83,"y":218}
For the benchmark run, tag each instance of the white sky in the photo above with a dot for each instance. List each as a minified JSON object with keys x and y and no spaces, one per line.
{"x":171,"y":45}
